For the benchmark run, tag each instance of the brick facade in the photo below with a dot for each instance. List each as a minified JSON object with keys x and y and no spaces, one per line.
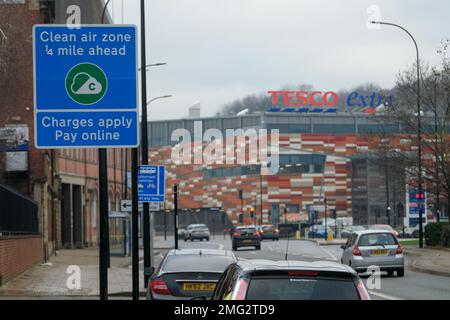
{"x":17,"y":254}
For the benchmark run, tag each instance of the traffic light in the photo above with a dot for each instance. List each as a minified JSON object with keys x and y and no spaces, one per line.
{"x":252,"y":212}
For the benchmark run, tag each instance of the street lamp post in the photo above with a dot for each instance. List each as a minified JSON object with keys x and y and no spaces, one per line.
{"x":147,"y":240}
{"x":419,"y":125}
{"x":436,"y":151}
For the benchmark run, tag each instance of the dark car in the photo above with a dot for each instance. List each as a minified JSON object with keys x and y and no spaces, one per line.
{"x":289,"y":280}
{"x":187,"y":273}
{"x":269,"y":231}
{"x":246,"y":237}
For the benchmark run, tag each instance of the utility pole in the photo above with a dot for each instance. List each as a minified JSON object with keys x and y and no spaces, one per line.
{"x":104,"y":225}
{"x":388,"y":207}
{"x":260,"y":196}
{"x":436,"y":152}
{"x":241,"y":196}
{"x":144,"y":149}
{"x":134,"y":224}
{"x":326,"y":226}
{"x":175,"y":211}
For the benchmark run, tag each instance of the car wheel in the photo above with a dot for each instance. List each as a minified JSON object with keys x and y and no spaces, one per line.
{"x":400,"y":272}
{"x":207,"y":239}
{"x":258,"y":247}
{"x":235,"y":248}
{"x":185,"y":239}
{"x":192,"y":239}
{"x":390,"y":273}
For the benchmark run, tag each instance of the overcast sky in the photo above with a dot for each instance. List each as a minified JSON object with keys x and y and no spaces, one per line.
{"x":221,"y":50}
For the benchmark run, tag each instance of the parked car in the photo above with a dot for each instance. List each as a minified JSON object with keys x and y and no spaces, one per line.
{"x":269,"y":231}
{"x":181,"y":233}
{"x":409,"y":232}
{"x":196,"y":231}
{"x":289,"y":280}
{"x":374,"y":248}
{"x":246,"y":236}
{"x":318,"y":231}
{"x":349,"y":230}
{"x":187,"y":273}
{"x":384,"y":227}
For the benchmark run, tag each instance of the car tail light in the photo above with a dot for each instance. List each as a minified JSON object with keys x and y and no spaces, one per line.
{"x":256,"y":234}
{"x":399,"y":250}
{"x":241,"y":290}
{"x":303,"y":273}
{"x":362,"y":291}
{"x":236,"y":234}
{"x":356,"y":251}
{"x":158,"y":286}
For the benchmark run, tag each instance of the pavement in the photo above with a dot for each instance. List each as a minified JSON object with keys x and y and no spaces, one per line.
{"x":55,"y":277}
{"x":430,"y":260}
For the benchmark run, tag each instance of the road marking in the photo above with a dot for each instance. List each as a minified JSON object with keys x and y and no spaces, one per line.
{"x":385,"y":296}
{"x":332,"y":256}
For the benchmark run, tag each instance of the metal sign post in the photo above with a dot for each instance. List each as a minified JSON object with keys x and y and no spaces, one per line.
{"x":151,"y":190}
{"x":85,"y":96}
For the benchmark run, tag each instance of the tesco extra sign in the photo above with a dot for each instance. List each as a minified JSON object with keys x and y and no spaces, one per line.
{"x":328,"y":99}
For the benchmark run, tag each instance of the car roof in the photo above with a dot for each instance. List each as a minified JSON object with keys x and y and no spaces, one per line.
{"x":361,"y":232}
{"x":209,"y":252}
{"x":260,"y":265}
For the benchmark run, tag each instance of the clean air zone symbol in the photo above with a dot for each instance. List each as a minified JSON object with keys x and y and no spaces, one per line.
{"x":86,"y":83}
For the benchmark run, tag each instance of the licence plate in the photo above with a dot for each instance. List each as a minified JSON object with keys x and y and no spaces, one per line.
{"x":378,"y":252}
{"x":199,"y":286}
{"x":247,"y":241}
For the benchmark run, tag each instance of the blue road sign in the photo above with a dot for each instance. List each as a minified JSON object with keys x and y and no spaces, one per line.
{"x":151,"y":184}
{"x":85,"y":86}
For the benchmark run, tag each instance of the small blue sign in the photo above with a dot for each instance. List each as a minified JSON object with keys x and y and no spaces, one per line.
{"x":85,"y":82}
{"x":151,"y":184}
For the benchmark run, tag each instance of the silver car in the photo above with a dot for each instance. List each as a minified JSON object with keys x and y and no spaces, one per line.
{"x":374,"y":248}
{"x":196,"y":231}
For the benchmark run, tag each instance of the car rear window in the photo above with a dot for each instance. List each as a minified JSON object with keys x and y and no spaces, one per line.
{"x":197,"y":263}
{"x":377,"y":239}
{"x":249,"y":230}
{"x":301,"y":289}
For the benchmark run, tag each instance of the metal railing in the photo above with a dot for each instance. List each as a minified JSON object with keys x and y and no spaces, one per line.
{"x":18,"y":214}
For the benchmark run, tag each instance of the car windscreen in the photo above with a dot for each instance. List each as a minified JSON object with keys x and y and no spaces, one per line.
{"x":189,"y":263}
{"x":377,"y":239}
{"x":301,"y":289}
{"x":381,"y":228}
{"x":268,"y":228}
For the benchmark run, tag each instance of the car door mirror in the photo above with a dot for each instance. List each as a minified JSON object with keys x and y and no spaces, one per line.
{"x":343,"y":247}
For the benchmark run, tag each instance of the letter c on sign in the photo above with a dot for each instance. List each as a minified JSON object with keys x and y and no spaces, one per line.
{"x":313,"y":102}
{"x":331,"y":102}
